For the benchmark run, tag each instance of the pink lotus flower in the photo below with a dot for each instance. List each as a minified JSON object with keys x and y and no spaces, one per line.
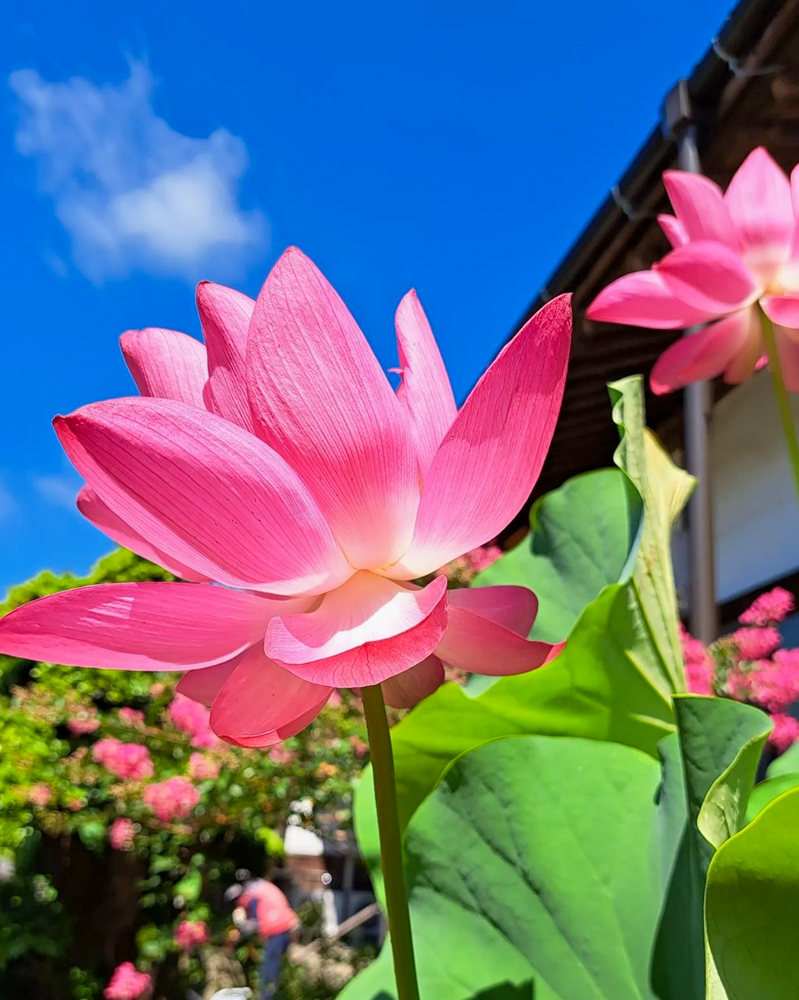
{"x":191,"y":934}
{"x":172,"y":799}
{"x":125,"y":760}
{"x":120,"y":835}
{"x":278,"y":462}
{"x":732,"y":252}
{"x":126,"y":983}
{"x":203,"y":768}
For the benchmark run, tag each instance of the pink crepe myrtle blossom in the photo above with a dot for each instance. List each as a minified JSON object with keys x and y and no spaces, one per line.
{"x":120,"y":834}
{"x":698,"y":664}
{"x":193,"y":719}
{"x":127,"y":984}
{"x":277,"y":461}
{"x":733,"y":252}
{"x":785,"y":732}
{"x":770,"y":608}
{"x":281,"y":755}
{"x":172,"y":799}
{"x":191,"y":934}
{"x":775,"y":682}
{"x":202,"y":767}
{"x":84,"y":722}
{"x":131,"y":717}
{"x":125,"y":760}
{"x":40,"y":795}
{"x":756,"y":643}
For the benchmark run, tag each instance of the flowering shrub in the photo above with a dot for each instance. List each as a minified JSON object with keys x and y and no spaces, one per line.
{"x":748,"y":665}
{"x":172,"y":799}
{"x":125,"y":760}
{"x":126,"y":983}
{"x":192,"y":718}
{"x":191,"y":933}
{"x":148,"y":808}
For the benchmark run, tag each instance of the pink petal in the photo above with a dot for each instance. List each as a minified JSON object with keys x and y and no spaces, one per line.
{"x":102,"y":517}
{"x":788,"y":350}
{"x":137,"y":626}
{"x":482,"y":646}
{"x":795,"y":190}
{"x":321,"y":400}
{"x":705,"y":354}
{"x":749,"y":357}
{"x":673,"y":230}
{"x":261,"y":704}
{"x":205,"y":684}
{"x":424,"y":392}
{"x":512,"y":607}
{"x":699,"y":205}
{"x":225,"y":317}
{"x":759,"y":202}
{"x":490,"y":458}
{"x":166,"y":364}
{"x":206,"y":493}
{"x":708,"y":276}
{"x":366,"y":631}
{"x":642,"y":299}
{"x":409,"y":688}
{"x":782,"y":309}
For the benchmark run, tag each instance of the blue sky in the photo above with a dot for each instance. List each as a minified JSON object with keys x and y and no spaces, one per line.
{"x":457,"y":148}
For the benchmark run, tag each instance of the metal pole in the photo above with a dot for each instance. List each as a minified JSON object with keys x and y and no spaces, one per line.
{"x":698,"y":414}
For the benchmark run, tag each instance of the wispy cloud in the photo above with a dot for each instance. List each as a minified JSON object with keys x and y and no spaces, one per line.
{"x":60,"y":489}
{"x":132,"y":192}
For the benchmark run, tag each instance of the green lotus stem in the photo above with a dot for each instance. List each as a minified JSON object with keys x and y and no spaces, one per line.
{"x":783,"y":403}
{"x":399,"y":921}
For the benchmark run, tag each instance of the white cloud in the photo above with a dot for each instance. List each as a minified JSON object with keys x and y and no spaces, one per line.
{"x":60,"y":489}
{"x":130,"y":190}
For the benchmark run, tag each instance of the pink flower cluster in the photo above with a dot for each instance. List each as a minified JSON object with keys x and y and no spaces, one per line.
{"x":125,"y":760}
{"x":120,"y":836}
{"x":770,"y":608}
{"x":699,"y":670}
{"x":202,"y":767}
{"x":749,"y":665}
{"x":126,"y":983}
{"x":84,"y":722}
{"x":131,"y":716}
{"x":40,"y":795}
{"x":191,"y":934}
{"x":171,"y":799}
{"x":785,"y":732}
{"x":192,"y":718}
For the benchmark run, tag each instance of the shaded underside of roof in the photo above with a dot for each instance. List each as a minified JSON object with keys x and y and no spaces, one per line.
{"x":747,"y":99}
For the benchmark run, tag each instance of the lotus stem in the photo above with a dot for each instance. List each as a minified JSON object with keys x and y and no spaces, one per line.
{"x":783,"y":402}
{"x":399,"y":921}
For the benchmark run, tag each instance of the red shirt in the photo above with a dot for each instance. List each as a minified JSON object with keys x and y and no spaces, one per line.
{"x":272,"y":910}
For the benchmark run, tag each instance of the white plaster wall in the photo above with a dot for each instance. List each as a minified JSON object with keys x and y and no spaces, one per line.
{"x":756,"y":512}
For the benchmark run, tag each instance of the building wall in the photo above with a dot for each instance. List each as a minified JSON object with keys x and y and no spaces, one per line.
{"x":756,"y":512}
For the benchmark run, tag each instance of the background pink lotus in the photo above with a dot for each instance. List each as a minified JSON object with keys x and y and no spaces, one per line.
{"x":734,"y":253}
